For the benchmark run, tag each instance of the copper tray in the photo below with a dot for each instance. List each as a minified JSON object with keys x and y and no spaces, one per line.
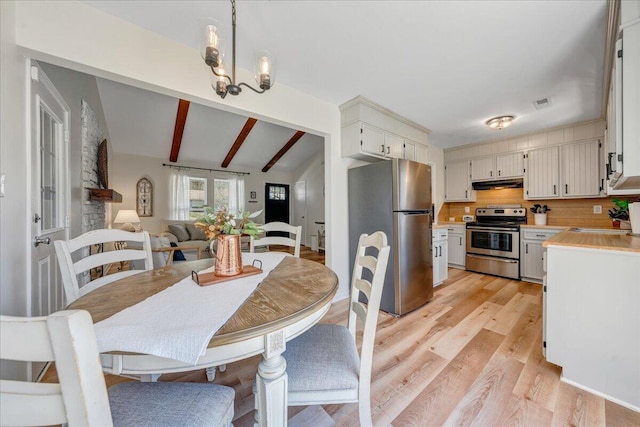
{"x":206,"y":279}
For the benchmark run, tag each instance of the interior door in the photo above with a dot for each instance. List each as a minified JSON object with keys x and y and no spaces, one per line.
{"x":300,"y":208}
{"x":49,"y":194}
{"x":276,"y":205}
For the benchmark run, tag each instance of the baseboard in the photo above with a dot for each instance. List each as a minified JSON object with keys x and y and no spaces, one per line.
{"x":598,"y":393}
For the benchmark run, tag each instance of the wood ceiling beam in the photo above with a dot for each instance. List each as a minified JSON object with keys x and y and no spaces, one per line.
{"x":244,"y":133}
{"x":181,"y":119}
{"x":283,"y":150}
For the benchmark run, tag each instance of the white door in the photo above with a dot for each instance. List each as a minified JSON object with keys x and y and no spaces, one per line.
{"x":300,"y":208}
{"x":482,"y":168}
{"x":541,"y":179}
{"x":49,"y":191}
{"x":580,"y":169}
{"x":510,"y":165}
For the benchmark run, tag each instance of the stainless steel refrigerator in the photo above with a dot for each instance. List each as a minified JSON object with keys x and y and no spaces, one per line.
{"x":394,"y":196}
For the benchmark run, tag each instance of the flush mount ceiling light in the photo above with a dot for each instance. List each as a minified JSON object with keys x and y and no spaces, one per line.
{"x":212,"y":50}
{"x":499,"y":122}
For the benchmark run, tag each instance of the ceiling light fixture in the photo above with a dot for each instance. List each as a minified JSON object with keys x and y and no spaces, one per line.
{"x":499,"y":122}
{"x":212,"y":50}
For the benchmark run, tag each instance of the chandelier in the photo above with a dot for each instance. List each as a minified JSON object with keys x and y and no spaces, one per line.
{"x":212,"y":46}
{"x":499,"y":122}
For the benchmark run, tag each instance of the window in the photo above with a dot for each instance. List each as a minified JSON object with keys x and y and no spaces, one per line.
{"x":197,"y":196}
{"x":277,"y":192}
{"x":220,"y":194}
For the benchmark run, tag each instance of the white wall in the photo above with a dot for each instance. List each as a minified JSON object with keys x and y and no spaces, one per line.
{"x":79,"y":37}
{"x":14,"y":224}
{"x":313,"y":174}
{"x":127,"y":169}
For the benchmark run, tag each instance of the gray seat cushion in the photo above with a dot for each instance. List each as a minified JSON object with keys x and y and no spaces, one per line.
{"x":171,"y":404}
{"x":323,"y":358}
{"x":180,"y":231}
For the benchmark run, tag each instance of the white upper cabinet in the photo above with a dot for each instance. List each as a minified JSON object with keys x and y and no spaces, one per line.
{"x":502,"y":166}
{"x":394,"y":146}
{"x":371,"y":132}
{"x":483,"y":168}
{"x":410,"y":151}
{"x":510,"y":165}
{"x":542,"y":174}
{"x":457,"y":182}
{"x":580,"y":169}
{"x":372,"y":140}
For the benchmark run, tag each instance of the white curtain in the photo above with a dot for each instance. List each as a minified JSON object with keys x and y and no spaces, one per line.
{"x":236,"y":193}
{"x":179,"y":194}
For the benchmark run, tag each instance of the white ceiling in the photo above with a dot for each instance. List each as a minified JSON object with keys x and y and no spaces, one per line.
{"x":447,"y":65}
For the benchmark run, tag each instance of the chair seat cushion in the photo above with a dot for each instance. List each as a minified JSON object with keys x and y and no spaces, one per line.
{"x":323,"y":358}
{"x":171,"y":404}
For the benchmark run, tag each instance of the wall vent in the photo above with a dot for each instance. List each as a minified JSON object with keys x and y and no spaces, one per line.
{"x":539,"y":104}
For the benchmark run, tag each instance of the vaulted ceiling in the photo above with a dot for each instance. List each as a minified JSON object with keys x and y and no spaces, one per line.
{"x":446,"y":65}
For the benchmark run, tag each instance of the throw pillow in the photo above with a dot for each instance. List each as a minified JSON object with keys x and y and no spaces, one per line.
{"x":180,"y":232}
{"x":195,"y":232}
{"x":177,"y":255}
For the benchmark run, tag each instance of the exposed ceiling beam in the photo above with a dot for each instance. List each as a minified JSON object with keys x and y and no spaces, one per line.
{"x":181,"y":119}
{"x":283,"y":150}
{"x":244,"y":133}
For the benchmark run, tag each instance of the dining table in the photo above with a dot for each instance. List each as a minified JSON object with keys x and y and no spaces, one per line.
{"x":288,"y":300}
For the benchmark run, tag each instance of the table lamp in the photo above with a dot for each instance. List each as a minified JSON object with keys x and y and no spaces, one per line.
{"x":127,"y":217}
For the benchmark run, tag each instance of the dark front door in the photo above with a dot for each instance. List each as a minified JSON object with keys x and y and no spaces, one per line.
{"x":276,"y":205}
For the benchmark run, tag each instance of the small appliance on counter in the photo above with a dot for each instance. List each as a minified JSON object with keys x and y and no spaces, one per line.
{"x":467,"y":218}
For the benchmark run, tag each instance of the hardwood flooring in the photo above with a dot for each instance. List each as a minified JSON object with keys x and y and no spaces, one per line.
{"x":470,"y":357}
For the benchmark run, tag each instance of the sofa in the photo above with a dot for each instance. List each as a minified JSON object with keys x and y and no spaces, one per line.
{"x":181,"y":232}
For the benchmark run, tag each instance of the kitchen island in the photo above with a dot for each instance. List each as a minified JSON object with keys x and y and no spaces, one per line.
{"x":592,"y":312}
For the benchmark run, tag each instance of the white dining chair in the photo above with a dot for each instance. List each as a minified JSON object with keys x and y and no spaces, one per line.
{"x":323,"y":365}
{"x":81,"y":397}
{"x":278,"y":240}
{"x":70,"y":269}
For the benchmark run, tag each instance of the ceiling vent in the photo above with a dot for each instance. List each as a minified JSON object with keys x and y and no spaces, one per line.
{"x":542,"y":103}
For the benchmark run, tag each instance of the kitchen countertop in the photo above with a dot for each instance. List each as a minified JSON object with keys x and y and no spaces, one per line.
{"x":444,"y":224}
{"x":549,"y":227}
{"x":591,"y":240}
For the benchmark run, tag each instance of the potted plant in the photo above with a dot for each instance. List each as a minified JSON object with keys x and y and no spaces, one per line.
{"x":540,"y":213}
{"x":620,"y":214}
{"x":224,"y":230}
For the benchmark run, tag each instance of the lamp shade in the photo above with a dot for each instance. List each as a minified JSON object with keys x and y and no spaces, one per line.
{"x":124,"y":216}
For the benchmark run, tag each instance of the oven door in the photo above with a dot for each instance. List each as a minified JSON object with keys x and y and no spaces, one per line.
{"x":493,"y":241}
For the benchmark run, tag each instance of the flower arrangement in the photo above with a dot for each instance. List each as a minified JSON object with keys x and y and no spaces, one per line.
{"x":222,"y":222}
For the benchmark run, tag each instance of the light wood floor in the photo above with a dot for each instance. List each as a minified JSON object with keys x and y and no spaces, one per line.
{"x":471,"y":356}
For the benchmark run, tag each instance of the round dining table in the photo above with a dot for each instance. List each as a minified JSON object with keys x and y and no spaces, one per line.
{"x":289,"y":300}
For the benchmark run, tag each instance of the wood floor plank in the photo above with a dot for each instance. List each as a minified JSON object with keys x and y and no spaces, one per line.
{"x":619,"y":416}
{"x":433,"y":405}
{"x":577,"y":408}
{"x":464,"y":308}
{"x":509,"y":315}
{"x":490,"y":393}
{"x":503,"y":296}
{"x":453,"y":341}
{"x":522,"y":337}
{"x":540,"y":380}
{"x":521,"y":412}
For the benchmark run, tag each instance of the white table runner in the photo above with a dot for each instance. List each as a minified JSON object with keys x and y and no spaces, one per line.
{"x":178,"y":323}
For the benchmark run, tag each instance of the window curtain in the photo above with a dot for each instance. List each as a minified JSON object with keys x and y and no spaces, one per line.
{"x":179,"y":194}
{"x":236,"y":193}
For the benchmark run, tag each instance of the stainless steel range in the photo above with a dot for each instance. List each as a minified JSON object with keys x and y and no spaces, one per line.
{"x":493,"y":240}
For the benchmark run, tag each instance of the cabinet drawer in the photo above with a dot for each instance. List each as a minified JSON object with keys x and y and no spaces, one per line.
{"x":539,"y":235}
{"x":440,"y":234}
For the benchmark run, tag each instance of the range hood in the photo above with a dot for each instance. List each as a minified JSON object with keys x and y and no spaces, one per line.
{"x":503,"y":183}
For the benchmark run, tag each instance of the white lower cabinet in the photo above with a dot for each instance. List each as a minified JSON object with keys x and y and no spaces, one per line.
{"x":532,"y":252}
{"x":592,"y":325}
{"x":457,"y":245}
{"x":440,"y":256}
